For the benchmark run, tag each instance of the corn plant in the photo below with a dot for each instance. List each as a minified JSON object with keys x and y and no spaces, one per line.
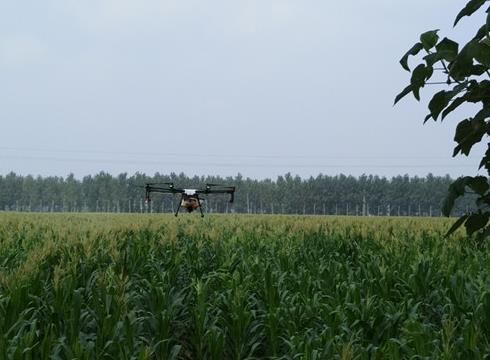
{"x":239,"y":287}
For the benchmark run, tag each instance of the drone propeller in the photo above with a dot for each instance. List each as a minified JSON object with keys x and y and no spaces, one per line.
{"x":220,"y":185}
{"x":150,"y":184}
{"x":148,"y":188}
{"x":222,"y":189}
{"x":171,"y":184}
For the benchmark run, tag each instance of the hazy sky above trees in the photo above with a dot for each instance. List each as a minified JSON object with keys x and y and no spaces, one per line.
{"x":260,"y":87}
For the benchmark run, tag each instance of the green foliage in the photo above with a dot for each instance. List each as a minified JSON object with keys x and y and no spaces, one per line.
{"x":91,"y":286}
{"x":469,"y":9}
{"x":466,"y":72}
{"x":412,"y":52}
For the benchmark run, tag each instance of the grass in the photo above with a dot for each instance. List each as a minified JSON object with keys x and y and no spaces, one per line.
{"x":91,"y":286}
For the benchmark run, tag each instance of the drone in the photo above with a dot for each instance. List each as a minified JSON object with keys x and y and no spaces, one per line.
{"x":189,"y":198}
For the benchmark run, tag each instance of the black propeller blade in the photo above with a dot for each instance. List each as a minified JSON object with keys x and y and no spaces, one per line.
{"x":219,"y":185}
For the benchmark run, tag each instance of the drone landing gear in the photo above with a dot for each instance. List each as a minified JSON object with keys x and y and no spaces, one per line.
{"x":200,"y":207}
{"x":178,"y":206}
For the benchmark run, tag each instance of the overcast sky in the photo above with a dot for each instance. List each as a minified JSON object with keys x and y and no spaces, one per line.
{"x":260,"y":87}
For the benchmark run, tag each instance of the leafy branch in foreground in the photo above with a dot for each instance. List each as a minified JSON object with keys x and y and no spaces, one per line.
{"x":466,"y":72}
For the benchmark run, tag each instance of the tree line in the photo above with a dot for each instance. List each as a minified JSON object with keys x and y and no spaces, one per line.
{"x":288,"y":194}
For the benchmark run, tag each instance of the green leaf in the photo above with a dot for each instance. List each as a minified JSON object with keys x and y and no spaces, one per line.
{"x":419,"y":75}
{"x":429,"y":39}
{"x":482,"y":115}
{"x":447,"y":49}
{"x":485,"y":162}
{"x":456,"y":190}
{"x":432,"y":58}
{"x":476,"y":222}
{"x":401,"y":95}
{"x":479,"y":184}
{"x":460,"y":68}
{"x":438,"y":102}
{"x":479,"y":92}
{"x":487,"y":23}
{"x":483,"y":200}
{"x":478,"y":70}
{"x":468,"y":133}
{"x":481,"y":33}
{"x":485,"y":41}
{"x":453,"y":106}
{"x":413,"y":51}
{"x":450,"y":94}
{"x":469,"y":9}
{"x":456,"y":150}
{"x":456,"y":225}
{"x":482,"y":54}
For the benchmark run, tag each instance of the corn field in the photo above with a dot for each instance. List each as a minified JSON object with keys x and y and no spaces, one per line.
{"x":109,"y":286}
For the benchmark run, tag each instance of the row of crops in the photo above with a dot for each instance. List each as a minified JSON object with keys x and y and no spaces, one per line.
{"x":239,"y":287}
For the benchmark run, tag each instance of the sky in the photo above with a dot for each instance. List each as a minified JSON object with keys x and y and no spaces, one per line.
{"x":257,"y":87}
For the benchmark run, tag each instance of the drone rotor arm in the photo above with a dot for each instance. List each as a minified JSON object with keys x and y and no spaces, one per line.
{"x":164,"y":190}
{"x":149,"y":188}
{"x":225,"y":190}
